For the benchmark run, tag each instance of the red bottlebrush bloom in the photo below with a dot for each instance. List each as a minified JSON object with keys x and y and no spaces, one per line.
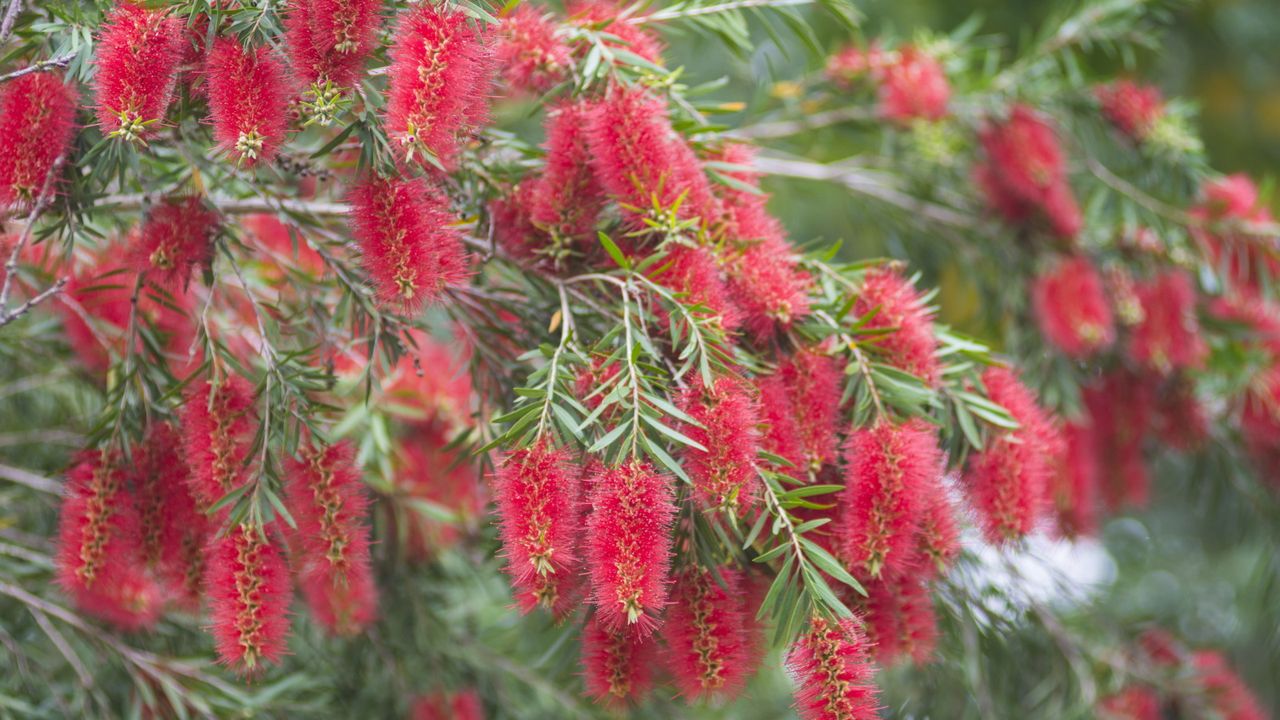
{"x":887,"y":468}
{"x":617,"y":665}
{"x":1073,"y":483}
{"x":768,"y":286}
{"x":911,"y":346}
{"x":1071,"y":307}
{"x":592,"y":383}
{"x":138,"y":56}
{"x":831,"y":671}
{"x":409,"y":251}
{"x":1168,"y":337}
{"x":330,"y":39}
{"x":1228,"y":696}
{"x":532,"y":58}
{"x":813,"y":381}
{"x":173,"y":533}
{"x":629,"y":546}
{"x":1132,"y":703}
{"x":439,"y":80}
{"x":1025,"y":175}
{"x":1235,"y":199}
{"x":99,"y":545}
{"x":537,"y":494}
{"x":914,"y":87}
{"x":848,"y":66}
{"x":1133,"y":108}
{"x":462,"y":705}
{"x":938,"y":539}
{"x":640,"y":161}
{"x":782,"y":435}
{"x":283,"y":246}
{"x":901,"y":621}
{"x":603,"y":15}
{"x":248,"y":586}
{"x":1007,"y":479}
{"x":1232,"y":196}
{"x":426,"y":470}
{"x":708,"y":633}
{"x":1120,"y":406}
{"x":216,"y":436}
{"x":37,"y":123}
{"x":247,"y":101}
{"x":744,"y":216}
{"x":724,"y":475}
{"x":692,"y":272}
{"x":176,"y":237}
{"x":328,"y":504}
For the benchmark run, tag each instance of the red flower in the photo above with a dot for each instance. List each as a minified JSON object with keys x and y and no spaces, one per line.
{"x":1120,"y":406}
{"x":1133,"y":703}
{"x":616,"y":664}
{"x":1073,"y":483}
{"x":708,"y":633}
{"x":781,"y":436}
{"x":848,"y":66}
{"x":1228,"y":696}
{"x":37,"y":123}
{"x":216,"y":436}
{"x":1071,"y":307}
{"x":176,"y":237}
{"x":327,"y":500}
{"x":439,"y":79}
{"x":629,"y":546}
{"x":602,"y":15}
{"x":694,"y":275}
{"x":911,"y":346}
{"x":744,"y":217}
{"x":1024,"y":176}
{"x":1134,"y":109}
{"x":831,"y":671}
{"x":914,"y":87}
{"x":247,"y":101}
{"x":426,"y":470}
{"x":172,"y":532}
{"x":461,"y":705}
{"x":99,"y":546}
{"x":330,"y":39}
{"x":567,"y":199}
{"x":248,"y":587}
{"x":768,"y":286}
{"x":724,"y":475}
{"x":531,"y":56}
{"x":537,"y":494}
{"x":1234,"y":199}
{"x":813,"y":381}
{"x":901,"y":621}
{"x":1007,"y":479}
{"x":410,"y":252}
{"x":888,"y":469}
{"x":138,"y":56}
{"x":1168,"y":337}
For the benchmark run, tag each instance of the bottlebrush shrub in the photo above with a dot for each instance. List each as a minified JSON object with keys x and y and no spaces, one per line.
{"x":175,"y":239}
{"x":247,"y":101}
{"x":709,"y":632}
{"x":617,"y":31}
{"x":617,"y":664}
{"x":1071,"y":307}
{"x":37,"y":122}
{"x":248,"y":587}
{"x":138,"y":55}
{"x":938,"y":539}
{"x":724,"y":418}
{"x":1024,"y":174}
{"x":832,"y":673}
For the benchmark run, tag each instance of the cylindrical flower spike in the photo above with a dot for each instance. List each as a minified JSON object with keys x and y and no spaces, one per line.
{"x":724,"y":475}
{"x":709,"y":634}
{"x":37,"y":123}
{"x":532,"y":58}
{"x":1073,"y":485}
{"x":216,"y":435}
{"x":901,"y":621}
{"x":1133,"y":108}
{"x":175,"y":239}
{"x":616,"y":664}
{"x":1071,"y":307}
{"x":1024,"y":176}
{"x":328,"y":503}
{"x":247,"y":100}
{"x":1228,"y":696}
{"x":813,"y":382}
{"x":911,"y":346}
{"x":1168,"y":338}
{"x":439,"y":79}
{"x":832,"y":673}
{"x":137,"y":57}
{"x":938,"y":539}
{"x":914,"y":87}
{"x":768,"y":286}
{"x":537,"y":495}
{"x":693,"y":274}
{"x":409,"y":250}
{"x":248,"y":586}
{"x":330,"y":39}
{"x":172,"y":532}
{"x":629,"y":546}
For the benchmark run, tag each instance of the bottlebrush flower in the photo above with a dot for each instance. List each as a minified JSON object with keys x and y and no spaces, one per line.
{"x":616,"y":664}
{"x":329,"y":39}
{"x":911,"y":346}
{"x":1234,"y":199}
{"x":216,"y":436}
{"x":629,"y":546}
{"x":708,"y":633}
{"x":1007,"y":479}
{"x":99,"y":544}
{"x":813,"y":382}
{"x":768,"y":286}
{"x":327,"y":501}
{"x":848,"y":66}
{"x":724,"y":475}
{"x":603,"y":15}
{"x":532,"y":58}
{"x":248,"y":587}
{"x":537,"y":494}
{"x":938,"y":539}
{"x":831,"y":671}
{"x":914,"y":87}
{"x":593,"y":382}
{"x":1228,"y":696}
{"x":1120,"y":406}
{"x":694,"y":275}
{"x":744,"y":216}
{"x":1162,"y":648}
{"x":1133,"y":108}
{"x":887,"y":470}
{"x":410,"y":252}
{"x":1071,"y":307}
{"x":426,"y":470}
{"x":1024,"y":176}
{"x":37,"y":123}
{"x":1073,"y":483}
{"x":1132,"y":703}
{"x":439,"y":80}
{"x":781,"y":435}
{"x":566,"y":199}
{"x":172,"y":533}
{"x":461,"y":705}
{"x":176,"y":237}
{"x":1168,"y":337}
{"x":247,"y":101}
{"x":901,"y":621}
{"x":137,"y":58}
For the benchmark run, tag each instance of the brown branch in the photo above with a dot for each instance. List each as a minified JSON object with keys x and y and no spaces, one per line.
{"x":11,"y":264}
{"x":24,"y":308}
{"x":10,"y":16}
{"x":58,"y":62}
{"x":236,"y":206}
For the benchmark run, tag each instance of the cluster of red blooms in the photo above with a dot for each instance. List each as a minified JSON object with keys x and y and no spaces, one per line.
{"x":912,"y":84}
{"x":1024,"y":174}
{"x":1133,"y":108}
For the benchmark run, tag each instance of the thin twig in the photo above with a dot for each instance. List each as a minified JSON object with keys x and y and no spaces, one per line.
{"x":30,"y":479}
{"x":688,"y":12}
{"x":58,"y":62}
{"x":10,"y":16}
{"x":24,"y":308}
{"x":41,"y":204}
{"x":234,"y":206}
{"x":787,"y":128}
